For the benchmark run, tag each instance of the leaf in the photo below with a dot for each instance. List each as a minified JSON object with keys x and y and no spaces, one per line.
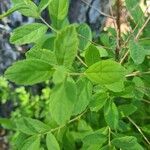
{"x":43,"y":4}
{"x":27,"y":72}
{"x":13,"y":9}
{"x":136,"y":12}
{"x":84,"y":92}
{"x":85,"y":36}
{"x":98,"y":101}
{"x":146,"y":129}
{"x":7,"y":123}
{"x":19,"y":139}
{"x":62,"y":101}
{"x":137,"y":52}
{"x":105,"y":39}
{"x":59,"y":24}
{"x":29,"y":10}
{"x":31,"y":126}
{"x":29,"y":33}
{"x":51,"y":142}
{"x":42,"y":54}
{"x":59,"y":75}
{"x":95,"y":138}
{"x":108,"y":147}
{"x":66,"y":45}
{"x":105,"y":72}
{"x":92,"y":55}
{"x":32,"y":143}
{"x":58,"y":9}
{"x":126,"y":143}
{"x":139,"y":90}
{"x":103,"y":52}
{"x":116,"y":87}
{"x":127,"y":109}
{"x":111,"y":114}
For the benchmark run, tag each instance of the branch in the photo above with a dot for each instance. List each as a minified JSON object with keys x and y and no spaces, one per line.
{"x":118,"y":22}
{"x":71,"y":121}
{"x":102,"y":13}
{"x":140,"y":131}
{"x":82,"y":62}
{"x":42,"y":19}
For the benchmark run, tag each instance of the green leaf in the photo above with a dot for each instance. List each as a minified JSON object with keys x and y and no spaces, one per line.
{"x":146,"y":129}
{"x":136,"y":11}
{"x":103,"y":52}
{"x":108,"y":147}
{"x":43,"y":4}
{"x":127,"y":109}
{"x":29,"y":72}
{"x":126,"y":143}
{"x":13,"y":9}
{"x":59,"y":24}
{"x":111,"y":114}
{"x":98,"y":101}
{"x":106,"y":72}
{"x":7,"y":123}
{"x":59,"y":75}
{"x":84,"y":92}
{"x":18,"y":140}
{"x":59,"y":9}
{"x":29,"y":33}
{"x":51,"y":142}
{"x":62,"y":101}
{"x":95,"y":138}
{"x":92,"y":55}
{"x":137,"y":52}
{"x":31,"y":126}
{"x":29,"y":10}
{"x":42,"y":54}
{"x":32,"y":143}
{"x":116,"y":87}
{"x":105,"y":39}
{"x":85,"y":36}
{"x":66,"y":45}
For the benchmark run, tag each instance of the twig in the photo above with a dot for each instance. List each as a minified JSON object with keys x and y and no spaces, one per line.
{"x":78,"y":57}
{"x":93,"y":42}
{"x":118,"y":23}
{"x":142,"y":28}
{"x":137,"y":73}
{"x":146,"y":101}
{"x":102,"y":13}
{"x":72,"y":120}
{"x":124,"y":57}
{"x":42,"y":19}
{"x":140,"y":131}
{"x":76,"y":74}
{"x":109,"y":137}
{"x":136,"y":38}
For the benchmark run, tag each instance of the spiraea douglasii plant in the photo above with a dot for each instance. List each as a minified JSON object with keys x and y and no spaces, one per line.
{"x":99,"y":98}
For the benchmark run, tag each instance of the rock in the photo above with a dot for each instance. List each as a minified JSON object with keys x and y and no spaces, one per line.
{"x":89,"y":11}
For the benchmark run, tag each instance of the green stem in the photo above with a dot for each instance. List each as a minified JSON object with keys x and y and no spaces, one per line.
{"x":82,"y":62}
{"x":140,"y":131}
{"x":76,"y":74}
{"x":42,"y":19}
{"x":71,"y":121}
{"x":137,"y":73}
{"x":109,"y":136}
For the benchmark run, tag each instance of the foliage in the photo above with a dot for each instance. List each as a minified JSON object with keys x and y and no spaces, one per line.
{"x":98,"y":98}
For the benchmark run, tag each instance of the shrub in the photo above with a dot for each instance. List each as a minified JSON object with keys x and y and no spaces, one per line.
{"x":101,"y":89}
